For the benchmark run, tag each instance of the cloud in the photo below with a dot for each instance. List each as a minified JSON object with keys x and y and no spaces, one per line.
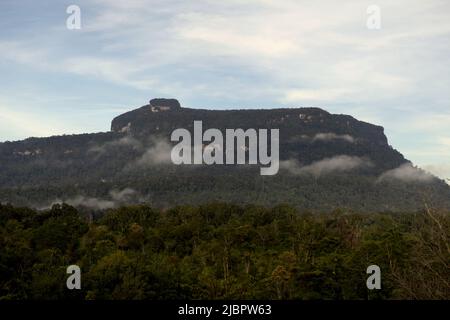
{"x":158,"y":153}
{"x":155,"y":151}
{"x":117,"y":198}
{"x":19,"y":52}
{"x":119,"y":71}
{"x":287,"y":41}
{"x":428,"y":122}
{"x":298,"y":95}
{"x":127,"y":141}
{"x":407,"y":173}
{"x":323,"y":136}
{"x":442,"y":170}
{"x":93,"y":203}
{"x":266,"y":53}
{"x":122,"y":195}
{"x":332,"y":136}
{"x":340,"y":163}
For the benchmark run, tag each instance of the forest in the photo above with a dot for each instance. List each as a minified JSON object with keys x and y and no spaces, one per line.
{"x":222,"y":251}
{"x":327,"y":161}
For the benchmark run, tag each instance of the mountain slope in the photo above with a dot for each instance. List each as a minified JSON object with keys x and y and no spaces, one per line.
{"x":326,"y":161}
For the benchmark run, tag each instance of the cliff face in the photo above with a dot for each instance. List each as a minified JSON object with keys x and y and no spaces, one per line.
{"x":291,"y":121}
{"x":332,"y":134}
{"x":302,"y":119}
{"x":327,"y":161}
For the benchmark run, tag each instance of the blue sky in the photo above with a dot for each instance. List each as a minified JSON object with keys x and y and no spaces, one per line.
{"x":228,"y":54}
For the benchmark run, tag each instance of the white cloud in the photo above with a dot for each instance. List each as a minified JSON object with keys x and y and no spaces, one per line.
{"x":322,"y":45}
{"x":329,"y":136}
{"x":442,"y":170}
{"x":340,"y":163}
{"x":408,"y":173}
{"x":117,"y":198}
{"x":299,"y":95}
{"x":93,"y":203}
{"x":428,"y":122}
{"x":118,"y":71}
{"x":127,"y":141}
{"x":122,"y":195}
{"x":324,"y":136}
{"x":158,"y":153}
{"x":275,"y":51}
{"x":25,"y":52}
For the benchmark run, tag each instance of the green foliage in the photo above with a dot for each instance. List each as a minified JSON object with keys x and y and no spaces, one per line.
{"x":37,"y":171}
{"x":222,"y":251}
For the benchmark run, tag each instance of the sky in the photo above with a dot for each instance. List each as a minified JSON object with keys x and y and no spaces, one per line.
{"x":229,"y":54}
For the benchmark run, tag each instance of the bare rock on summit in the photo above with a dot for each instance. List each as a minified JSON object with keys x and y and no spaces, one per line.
{"x":162,"y":102}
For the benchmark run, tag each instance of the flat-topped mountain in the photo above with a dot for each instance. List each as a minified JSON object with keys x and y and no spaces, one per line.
{"x":326,"y":161}
{"x":307,"y":134}
{"x":163,"y":114}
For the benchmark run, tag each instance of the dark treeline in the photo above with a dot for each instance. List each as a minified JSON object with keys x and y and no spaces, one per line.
{"x":222,"y":251}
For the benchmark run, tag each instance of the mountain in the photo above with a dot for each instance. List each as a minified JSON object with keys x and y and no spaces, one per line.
{"x":326,"y":161}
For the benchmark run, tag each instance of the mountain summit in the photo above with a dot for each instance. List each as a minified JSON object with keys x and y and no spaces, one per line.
{"x":326,"y":161}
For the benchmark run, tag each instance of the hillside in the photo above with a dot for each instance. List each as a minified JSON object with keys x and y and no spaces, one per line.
{"x":326,"y":161}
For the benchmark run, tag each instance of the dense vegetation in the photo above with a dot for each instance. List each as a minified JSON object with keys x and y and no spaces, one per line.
{"x":37,"y":172}
{"x":218,"y":251}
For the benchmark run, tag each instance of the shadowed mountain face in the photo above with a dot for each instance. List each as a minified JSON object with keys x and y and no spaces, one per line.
{"x":326,"y":161}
